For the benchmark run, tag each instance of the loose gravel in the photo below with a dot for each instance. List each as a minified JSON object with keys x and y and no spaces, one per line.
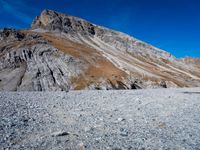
{"x":132,"y":120}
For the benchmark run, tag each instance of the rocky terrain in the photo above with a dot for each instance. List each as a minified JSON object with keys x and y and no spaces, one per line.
{"x":61,"y":52}
{"x":113,"y":120}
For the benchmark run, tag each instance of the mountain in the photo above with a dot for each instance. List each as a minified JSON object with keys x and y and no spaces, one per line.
{"x":61,"y":52}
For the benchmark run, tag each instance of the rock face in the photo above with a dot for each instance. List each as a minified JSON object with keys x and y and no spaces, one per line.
{"x":53,"y":21}
{"x":62,"y":52}
{"x":31,"y":64}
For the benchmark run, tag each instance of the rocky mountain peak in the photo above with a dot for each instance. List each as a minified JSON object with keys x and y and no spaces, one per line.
{"x":75,"y":27}
{"x":54,"y":21}
{"x":45,"y":19}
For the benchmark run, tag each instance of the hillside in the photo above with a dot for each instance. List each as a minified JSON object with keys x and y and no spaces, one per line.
{"x":61,"y":52}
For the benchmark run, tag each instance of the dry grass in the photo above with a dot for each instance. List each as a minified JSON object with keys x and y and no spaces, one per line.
{"x":98,"y":66}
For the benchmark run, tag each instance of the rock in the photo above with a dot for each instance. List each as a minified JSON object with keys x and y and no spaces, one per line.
{"x":123,"y":132}
{"x":81,"y":146}
{"x":121,"y":119}
{"x":36,"y":69}
{"x":88,"y":129}
{"x":61,"y":133}
{"x":163,"y":84}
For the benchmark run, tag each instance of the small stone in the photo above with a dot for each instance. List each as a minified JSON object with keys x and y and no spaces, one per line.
{"x":98,"y":139}
{"x":87,"y":129}
{"x":137,"y":99}
{"x":121,"y":119}
{"x":60,"y":133}
{"x":52,"y":122}
{"x":123,"y":132}
{"x":130,"y":147}
{"x":66,"y":141}
{"x":81,"y":146}
{"x":184,"y":140}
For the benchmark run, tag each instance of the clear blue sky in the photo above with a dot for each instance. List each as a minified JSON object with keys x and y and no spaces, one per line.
{"x":172,"y":25}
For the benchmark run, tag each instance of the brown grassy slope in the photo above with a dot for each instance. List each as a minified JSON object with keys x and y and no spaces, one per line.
{"x":98,"y":66}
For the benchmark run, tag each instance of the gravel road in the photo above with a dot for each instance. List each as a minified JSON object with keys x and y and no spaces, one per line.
{"x":136,"y":120}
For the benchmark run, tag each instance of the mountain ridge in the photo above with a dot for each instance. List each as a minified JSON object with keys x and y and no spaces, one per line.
{"x":67,"y":52}
{"x":51,"y":13}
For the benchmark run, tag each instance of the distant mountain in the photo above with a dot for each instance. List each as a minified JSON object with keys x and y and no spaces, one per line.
{"x":62,"y":52}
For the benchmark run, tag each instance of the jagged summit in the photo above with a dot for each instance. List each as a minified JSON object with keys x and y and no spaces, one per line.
{"x":54,"y":21}
{"x":75,"y":27}
{"x":62,"y":52}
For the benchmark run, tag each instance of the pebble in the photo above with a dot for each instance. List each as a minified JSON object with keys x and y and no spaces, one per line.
{"x":121,"y":119}
{"x":123,"y":132}
{"x":60,"y":133}
{"x":81,"y":146}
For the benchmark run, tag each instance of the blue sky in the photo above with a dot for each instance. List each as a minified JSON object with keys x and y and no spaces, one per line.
{"x":172,"y":25}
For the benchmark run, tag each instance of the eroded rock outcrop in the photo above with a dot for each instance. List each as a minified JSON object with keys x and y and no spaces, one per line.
{"x":36,"y":66}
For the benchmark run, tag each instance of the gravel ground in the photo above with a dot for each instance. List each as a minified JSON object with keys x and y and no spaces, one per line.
{"x":142,"y":119}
